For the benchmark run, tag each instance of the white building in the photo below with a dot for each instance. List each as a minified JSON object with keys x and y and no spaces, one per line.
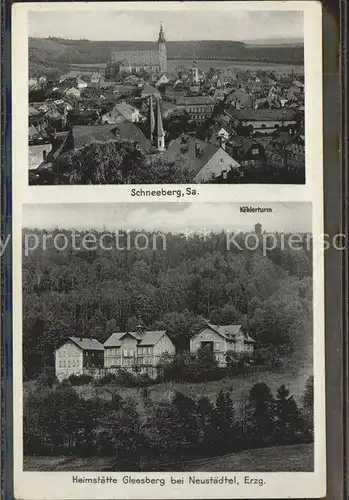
{"x":221,"y":339}
{"x":139,"y":351}
{"x":78,"y":356}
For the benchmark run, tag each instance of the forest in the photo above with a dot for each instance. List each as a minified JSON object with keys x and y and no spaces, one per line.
{"x":93,"y":292}
{"x":57,"y":421}
{"x":54,"y":54}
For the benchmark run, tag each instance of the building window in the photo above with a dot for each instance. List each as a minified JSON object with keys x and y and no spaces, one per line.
{"x":220,"y":160}
{"x":255,"y":151}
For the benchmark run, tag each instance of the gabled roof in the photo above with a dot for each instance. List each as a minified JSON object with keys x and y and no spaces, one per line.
{"x":189,"y":158}
{"x":229,"y":332}
{"x":85,"y":134}
{"x":136,"y":57}
{"x":146,"y":338}
{"x":130,"y":132}
{"x":151,"y":338}
{"x":87,"y":344}
{"x":195,"y":100}
{"x":115,"y":339}
{"x":149,"y":89}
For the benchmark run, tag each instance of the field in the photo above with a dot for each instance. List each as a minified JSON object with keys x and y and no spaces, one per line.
{"x":293,"y":377}
{"x":207,"y":64}
{"x":275,"y":459}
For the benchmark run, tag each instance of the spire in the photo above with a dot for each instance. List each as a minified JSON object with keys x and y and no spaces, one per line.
{"x":159,"y":129}
{"x":161,"y":38}
{"x":151,"y":118}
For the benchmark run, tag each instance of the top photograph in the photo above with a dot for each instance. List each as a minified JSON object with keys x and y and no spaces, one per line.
{"x":166,"y":97}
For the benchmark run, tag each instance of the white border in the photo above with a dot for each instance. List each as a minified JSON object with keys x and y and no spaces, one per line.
{"x":58,"y":485}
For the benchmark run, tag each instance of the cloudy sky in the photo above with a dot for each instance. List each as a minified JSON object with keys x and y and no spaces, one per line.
{"x":174,"y":217}
{"x":178,"y":25}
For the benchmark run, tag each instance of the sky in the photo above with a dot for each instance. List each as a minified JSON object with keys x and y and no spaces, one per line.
{"x":174,"y":217}
{"x":136,"y":25}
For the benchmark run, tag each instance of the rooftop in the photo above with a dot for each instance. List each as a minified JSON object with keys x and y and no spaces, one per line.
{"x":87,"y":344}
{"x":263,"y":114}
{"x":146,"y":338}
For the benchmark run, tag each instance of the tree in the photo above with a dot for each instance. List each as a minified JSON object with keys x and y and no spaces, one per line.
{"x":287,"y":417}
{"x":224,"y":422}
{"x":260,"y":417}
{"x":308,"y":404}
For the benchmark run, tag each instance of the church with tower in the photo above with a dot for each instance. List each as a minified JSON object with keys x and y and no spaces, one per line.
{"x":135,"y":61}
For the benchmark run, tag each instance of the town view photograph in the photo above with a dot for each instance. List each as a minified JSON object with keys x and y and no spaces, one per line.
{"x":154,"y":344}
{"x":159,"y":97}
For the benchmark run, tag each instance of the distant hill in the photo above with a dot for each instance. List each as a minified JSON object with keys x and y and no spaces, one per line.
{"x":50,"y":55}
{"x":280,"y":42}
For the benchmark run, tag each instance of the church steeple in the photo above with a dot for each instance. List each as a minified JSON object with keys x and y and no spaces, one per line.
{"x":151,"y":118}
{"x":161,"y":38}
{"x":162,"y":50}
{"x":159,"y":129}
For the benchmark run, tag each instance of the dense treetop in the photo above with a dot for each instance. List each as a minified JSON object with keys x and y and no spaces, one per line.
{"x":93,"y":292}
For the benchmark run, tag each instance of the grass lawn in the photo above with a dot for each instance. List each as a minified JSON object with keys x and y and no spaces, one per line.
{"x":239,"y":386}
{"x":294,"y":458}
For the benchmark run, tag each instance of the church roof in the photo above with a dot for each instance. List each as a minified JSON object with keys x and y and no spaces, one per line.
{"x":136,"y":57}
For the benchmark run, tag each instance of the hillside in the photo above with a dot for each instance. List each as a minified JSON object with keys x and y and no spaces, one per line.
{"x":76,"y":292}
{"x":55,"y":54}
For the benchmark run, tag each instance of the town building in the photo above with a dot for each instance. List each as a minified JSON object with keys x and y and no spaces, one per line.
{"x":135,"y":61}
{"x":122,"y":111}
{"x":222,"y":339}
{"x":79,"y":356}
{"x":139,"y":351}
{"x":286,"y":152}
{"x":206,"y":162}
{"x":263,"y":120}
{"x":199,"y":108}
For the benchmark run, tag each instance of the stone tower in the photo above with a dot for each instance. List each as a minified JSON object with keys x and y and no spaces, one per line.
{"x":162,"y":51}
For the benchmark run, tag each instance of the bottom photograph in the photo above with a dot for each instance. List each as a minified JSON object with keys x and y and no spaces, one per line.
{"x":167,"y":337}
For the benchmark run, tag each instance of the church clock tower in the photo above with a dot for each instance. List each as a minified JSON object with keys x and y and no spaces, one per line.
{"x":162,"y":51}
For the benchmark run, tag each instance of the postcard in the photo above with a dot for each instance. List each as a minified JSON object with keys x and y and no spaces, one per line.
{"x":168,"y":250}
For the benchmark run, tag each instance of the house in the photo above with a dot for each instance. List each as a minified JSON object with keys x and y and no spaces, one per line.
{"x":162,"y":80}
{"x":122,"y":111}
{"x":38,"y":154}
{"x":148,"y":91}
{"x":73,"y":92}
{"x":206,"y":162}
{"x":222,"y":339}
{"x":248,"y":152}
{"x":199,"y":108}
{"x":138,"y":351}
{"x":79,"y":356}
{"x":263,"y":120}
{"x":240,"y":99}
{"x":286,"y":152}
